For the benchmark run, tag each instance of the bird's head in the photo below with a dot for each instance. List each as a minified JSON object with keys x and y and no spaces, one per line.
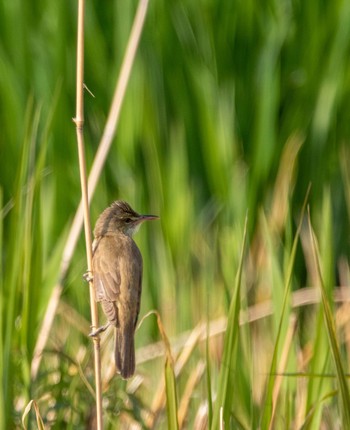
{"x":120,"y":217}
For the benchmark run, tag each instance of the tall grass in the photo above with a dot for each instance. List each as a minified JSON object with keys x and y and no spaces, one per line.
{"x":233,"y":108}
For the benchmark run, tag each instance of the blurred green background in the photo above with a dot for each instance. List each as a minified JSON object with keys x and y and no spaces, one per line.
{"x":233,"y":108}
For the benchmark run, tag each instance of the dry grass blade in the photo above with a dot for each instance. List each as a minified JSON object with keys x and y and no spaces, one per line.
{"x":162,"y":332}
{"x":190,"y":386}
{"x":284,"y":182}
{"x":188,"y":348}
{"x":184,"y":342}
{"x":39,"y":420}
{"x":282,"y":365}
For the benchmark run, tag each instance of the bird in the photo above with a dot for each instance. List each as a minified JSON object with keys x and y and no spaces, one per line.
{"x":117,"y":277}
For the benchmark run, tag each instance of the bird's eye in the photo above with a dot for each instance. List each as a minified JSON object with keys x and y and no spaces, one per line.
{"x":128,"y":220}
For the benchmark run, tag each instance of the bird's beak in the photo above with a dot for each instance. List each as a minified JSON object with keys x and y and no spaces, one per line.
{"x":147,"y":218}
{"x":137,"y":221}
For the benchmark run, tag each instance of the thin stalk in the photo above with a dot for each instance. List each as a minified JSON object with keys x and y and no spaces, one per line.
{"x":79,"y":122}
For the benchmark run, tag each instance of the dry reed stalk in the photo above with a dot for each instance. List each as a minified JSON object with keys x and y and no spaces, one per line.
{"x":79,"y":122}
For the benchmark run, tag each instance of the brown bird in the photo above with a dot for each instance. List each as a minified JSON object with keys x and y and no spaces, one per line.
{"x":117,"y":276}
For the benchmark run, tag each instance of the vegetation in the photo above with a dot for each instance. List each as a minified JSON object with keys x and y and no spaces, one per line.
{"x":235,"y":130}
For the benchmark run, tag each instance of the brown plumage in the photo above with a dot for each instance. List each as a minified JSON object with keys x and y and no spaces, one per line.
{"x":117,"y":275}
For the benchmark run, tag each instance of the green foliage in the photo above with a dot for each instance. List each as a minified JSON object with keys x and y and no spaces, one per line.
{"x":232,"y":107}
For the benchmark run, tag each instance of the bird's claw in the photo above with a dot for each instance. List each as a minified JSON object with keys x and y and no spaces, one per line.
{"x":88,"y":276}
{"x":98,"y":331}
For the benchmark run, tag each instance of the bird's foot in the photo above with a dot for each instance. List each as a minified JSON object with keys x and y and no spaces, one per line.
{"x":98,"y":331}
{"x":88,"y":276}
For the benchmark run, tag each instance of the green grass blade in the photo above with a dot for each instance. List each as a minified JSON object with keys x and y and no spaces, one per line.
{"x":268,"y":406}
{"x":171,"y":399}
{"x":332,"y":336}
{"x":223,"y":403}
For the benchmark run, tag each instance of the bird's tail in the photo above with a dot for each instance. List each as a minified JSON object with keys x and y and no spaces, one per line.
{"x":125,"y":351}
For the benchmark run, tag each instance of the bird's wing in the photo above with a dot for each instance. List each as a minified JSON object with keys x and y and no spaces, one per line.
{"x":117,"y":273}
{"x":139,"y":283}
{"x":106,"y":270}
